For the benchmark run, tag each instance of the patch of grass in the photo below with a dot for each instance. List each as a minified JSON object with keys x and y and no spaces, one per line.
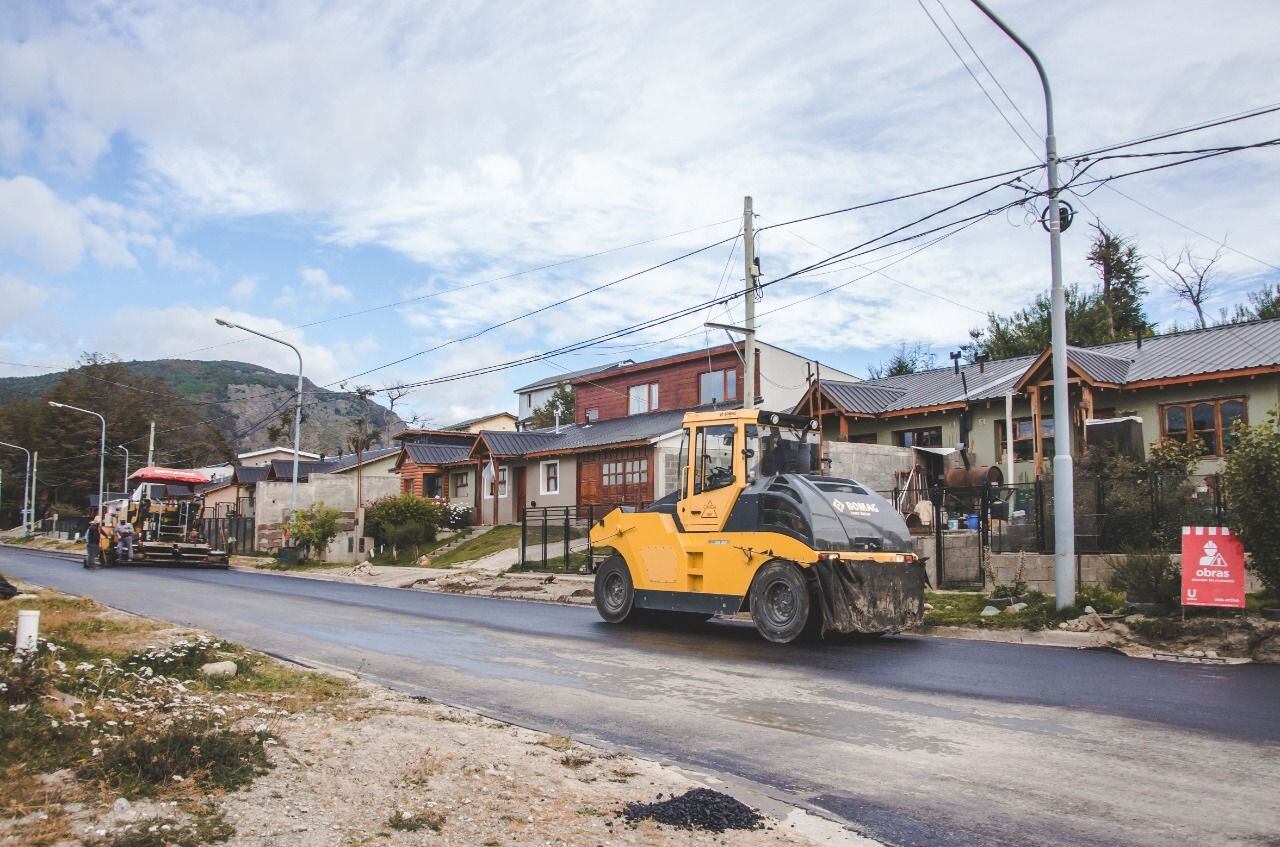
{"x":426,"y":819}
{"x":34,"y":739}
{"x":1156,"y":629}
{"x":964,"y":608}
{"x":1257,"y":601}
{"x":145,"y":764}
{"x":428,"y":767}
{"x":260,"y":674}
{"x":408,"y":558}
{"x":498,"y":538}
{"x":576,"y":760}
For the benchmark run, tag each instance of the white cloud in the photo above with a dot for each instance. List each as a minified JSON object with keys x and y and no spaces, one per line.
{"x":243,"y":289}
{"x":316,"y":283}
{"x":20,"y":298}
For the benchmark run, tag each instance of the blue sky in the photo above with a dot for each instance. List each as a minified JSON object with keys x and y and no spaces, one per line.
{"x":162,"y":164}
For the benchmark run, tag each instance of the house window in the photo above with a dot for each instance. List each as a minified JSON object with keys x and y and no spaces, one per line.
{"x":930,"y":437}
{"x":611,"y":474}
{"x":550,"y":477}
{"x":1024,"y":440}
{"x":1204,"y":423}
{"x":461,"y":484}
{"x":501,"y":480}
{"x":717,"y":386}
{"x":642,"y":398}
{"x":431,"y":486}
{"x":593,"y":415}
{"x":637,"y":471}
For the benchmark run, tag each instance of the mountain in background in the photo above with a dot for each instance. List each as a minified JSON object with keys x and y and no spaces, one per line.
{"x":245,"y":400}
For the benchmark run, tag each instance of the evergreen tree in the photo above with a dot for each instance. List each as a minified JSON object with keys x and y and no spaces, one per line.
{"x":1119,"y":267}
{"x":561,"y":400}
{"x":907,"y":359}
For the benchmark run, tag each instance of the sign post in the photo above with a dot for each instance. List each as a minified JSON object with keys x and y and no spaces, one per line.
{"x":1212,"y":567}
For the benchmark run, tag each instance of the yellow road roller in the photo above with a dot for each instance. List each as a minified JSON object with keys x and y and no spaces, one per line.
{"x":753,"y":527}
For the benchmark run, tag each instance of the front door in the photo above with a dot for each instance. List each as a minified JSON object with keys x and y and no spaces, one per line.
{"x":517,"y":491}
{"x":711,"y":477}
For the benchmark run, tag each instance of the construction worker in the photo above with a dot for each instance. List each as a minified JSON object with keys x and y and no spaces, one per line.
{"x":124,"y":540}
{"x":92,"y":542}
{"x":107,"y":542}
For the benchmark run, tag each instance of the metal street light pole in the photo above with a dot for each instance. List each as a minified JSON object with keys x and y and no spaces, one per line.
{"x":102,"y":453}
{"x":26,"y":488}
{"x":1064,"y":518}
{"x":297,"y":414}
{"x":126,"y":469}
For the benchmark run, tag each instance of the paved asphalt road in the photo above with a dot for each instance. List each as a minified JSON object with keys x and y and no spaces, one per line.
{"x":914,"y":741}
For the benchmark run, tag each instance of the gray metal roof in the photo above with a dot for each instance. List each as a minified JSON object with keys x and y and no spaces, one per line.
{"x":1218,"y":349}
{"x":282,"y":469}
{"x":555,"y":379}
{"x":1099,"y":365}
{"x":349,"y":460}
{"x":1229,"y":347}
{"x":437,"y":454}
{"x":580,"y":437}
{"x":248,"y":475}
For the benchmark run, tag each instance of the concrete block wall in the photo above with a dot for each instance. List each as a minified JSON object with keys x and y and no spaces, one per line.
{"x":335,"y":491}
{"x":1094,"y":569}
{"x":873,"y":465}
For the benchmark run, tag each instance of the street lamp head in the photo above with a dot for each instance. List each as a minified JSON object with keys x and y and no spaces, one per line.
{"x":57,"y":405}
{"x":221,"y":322}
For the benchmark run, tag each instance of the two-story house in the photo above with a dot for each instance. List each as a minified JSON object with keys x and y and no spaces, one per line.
{"x":536,"y":394}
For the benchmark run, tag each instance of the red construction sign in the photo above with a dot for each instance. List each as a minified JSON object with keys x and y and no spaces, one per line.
{"x":1212,"y":567}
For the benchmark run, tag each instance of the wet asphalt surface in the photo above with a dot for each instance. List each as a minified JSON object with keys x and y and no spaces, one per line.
{"x":910,"y":740}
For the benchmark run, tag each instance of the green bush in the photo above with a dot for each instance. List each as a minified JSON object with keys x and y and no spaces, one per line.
{"x":404,"y":522}
{"x":1146,"y":577}
{"x":314,"y":528}
{"x":143,"y":763}
{"x":1252,"y":483}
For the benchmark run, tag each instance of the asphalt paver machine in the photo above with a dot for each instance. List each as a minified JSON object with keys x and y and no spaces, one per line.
{"x":166,"y":511}
{"x":753,"y":527}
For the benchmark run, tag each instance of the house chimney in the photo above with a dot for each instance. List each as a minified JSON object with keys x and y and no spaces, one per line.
{"x":557,"y":422}
{"x":982,"y":363}
{"x":955,"y":361}
{"x":1139,"y":338}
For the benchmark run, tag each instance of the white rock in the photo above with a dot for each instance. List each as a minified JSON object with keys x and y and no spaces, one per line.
{"x":990,"y":612}
{"x":219,"y":669}
{"x":1015,"y":608}
{"x":120,"y":805}
{"x":928,"y":607}
{"x":1089,"y":610}
{"x":24,"y":597}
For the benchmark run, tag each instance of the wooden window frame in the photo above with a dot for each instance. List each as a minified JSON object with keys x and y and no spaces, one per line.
{"x":461,"y":484}
{"x":636,"y":471}
{"x":549,"y":480}
{"x":1029,"y":439}
{"x":500,"y":478}
{"x":651,"y":398}
{"x":900,"y":440}
{"x":1189,"y":437}
{"x":611,"y":474}
{"x":725,"y":396}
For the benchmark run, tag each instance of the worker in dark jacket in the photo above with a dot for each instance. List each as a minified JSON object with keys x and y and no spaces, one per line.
{"x":92,"y":538}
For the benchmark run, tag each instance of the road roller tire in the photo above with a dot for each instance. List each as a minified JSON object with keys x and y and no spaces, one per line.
{"x":783,"y":605}
{"x":615,"y":594}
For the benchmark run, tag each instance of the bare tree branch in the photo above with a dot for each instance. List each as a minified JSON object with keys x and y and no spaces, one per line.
{"x":1193,"y":278}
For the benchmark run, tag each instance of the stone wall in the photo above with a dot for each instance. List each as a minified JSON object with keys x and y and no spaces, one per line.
{"x":1092,"y":569}
{"x":336,"y":491}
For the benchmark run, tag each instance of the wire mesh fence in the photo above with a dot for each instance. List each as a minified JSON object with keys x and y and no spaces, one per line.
{"x":557,"y":538}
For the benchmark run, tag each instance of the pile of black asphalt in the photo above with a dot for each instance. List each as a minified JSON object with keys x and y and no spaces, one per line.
{"x":700,"y":808}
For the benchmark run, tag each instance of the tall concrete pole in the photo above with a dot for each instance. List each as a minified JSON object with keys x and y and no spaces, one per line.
{"x":151,"y":446}
{"x":126,"y":470}
{"x":749,"y":346}
{"x":1064,"y":516}
{"x":26,"y":488}
{"x":35,"y":472}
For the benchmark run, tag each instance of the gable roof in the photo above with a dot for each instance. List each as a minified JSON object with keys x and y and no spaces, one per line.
{"x":556,"y":379}
{"x":435,"y":454}
{"x":252,"y":474}
{"x":471,"y":421}
{"x":1186,"y":355}
{"x":302,"y":454}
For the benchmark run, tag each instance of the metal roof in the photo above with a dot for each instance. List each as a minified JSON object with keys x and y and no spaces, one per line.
{"x":282,"y":469}
{"x":250,"y":474}
{"x":342,"y":463}
{"x":556,"y":379}
{"x":1099,"y":365}
{"x":1218,"y":349}
{"x":580,"y":437}
{"x":437,"y":454}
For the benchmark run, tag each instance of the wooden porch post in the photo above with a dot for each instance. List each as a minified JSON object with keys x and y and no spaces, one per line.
{"x":1086,"y":412}
{"x":1035,"y":430}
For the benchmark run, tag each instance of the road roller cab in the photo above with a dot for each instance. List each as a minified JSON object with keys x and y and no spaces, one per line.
{"x":754,"y":527}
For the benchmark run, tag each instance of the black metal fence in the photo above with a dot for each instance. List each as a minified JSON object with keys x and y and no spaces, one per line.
{"x":557,"y":538}
{"x":235,"y":535}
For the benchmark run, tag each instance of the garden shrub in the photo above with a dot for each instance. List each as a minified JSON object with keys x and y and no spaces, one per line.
{"x":1147,"y":577}
{"x":1252,"y":483}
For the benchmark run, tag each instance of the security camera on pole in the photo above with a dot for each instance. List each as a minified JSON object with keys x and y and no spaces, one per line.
{"x":1064,"y":518}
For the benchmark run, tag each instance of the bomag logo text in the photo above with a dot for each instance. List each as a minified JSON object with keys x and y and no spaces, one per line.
{"x":854,"y":507}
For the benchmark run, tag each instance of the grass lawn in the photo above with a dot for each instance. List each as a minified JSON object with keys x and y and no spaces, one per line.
{"x":408,"y":558}
{"x":498,"y":538}
{"x":964,"y":608}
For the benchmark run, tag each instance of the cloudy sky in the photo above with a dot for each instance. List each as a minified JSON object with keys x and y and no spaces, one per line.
{"x":287,"y":165}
